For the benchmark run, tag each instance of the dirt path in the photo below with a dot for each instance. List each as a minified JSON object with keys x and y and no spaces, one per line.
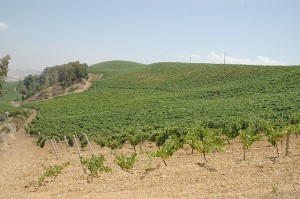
{"x":92,"y":78}
{"x":17,"y":153}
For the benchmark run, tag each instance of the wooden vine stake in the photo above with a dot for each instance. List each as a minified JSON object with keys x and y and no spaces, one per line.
{"x":79,"y":155}
{"x":46,"y":143}
{"x":53,"y":146}
{"x":67,"y":144}
{"x":288,"y":140}
{"x":87,"y":139}
{"x":281,"y":127}
{"x":60,"y":144}
{"x":54,"y":143}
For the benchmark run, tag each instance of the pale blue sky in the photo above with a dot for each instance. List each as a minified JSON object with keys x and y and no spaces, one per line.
{"x":42,"y":33}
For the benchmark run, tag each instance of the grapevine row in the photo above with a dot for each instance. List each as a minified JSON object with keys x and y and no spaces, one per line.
{"x":200,"y":138}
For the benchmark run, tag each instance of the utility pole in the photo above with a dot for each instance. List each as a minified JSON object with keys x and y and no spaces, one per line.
{"x":190,"y":60}
{"x":224,"y":57}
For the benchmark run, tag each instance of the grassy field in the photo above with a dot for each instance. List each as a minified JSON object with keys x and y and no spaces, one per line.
{"x":133,"y":95}
{"x":9,"y":96}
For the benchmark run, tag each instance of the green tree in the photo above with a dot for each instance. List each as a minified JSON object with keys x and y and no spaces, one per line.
{"x":3,"y":70}
{"x":64,"y":75}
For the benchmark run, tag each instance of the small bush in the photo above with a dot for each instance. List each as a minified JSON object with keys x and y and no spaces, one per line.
{"x":2,"y":118}
{"x":70,"y":141}
{"x":51,"y":172}
{"x":95,"y":165}
{"x":275,"y":189}
{"x":126,"y":162}
{"x":17,"y":99}
{"x":15,"y":113}
{"x":41,"y":141}
{"x":102,"y":142}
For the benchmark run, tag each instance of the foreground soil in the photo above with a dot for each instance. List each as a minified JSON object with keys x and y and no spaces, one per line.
{"x":226,"y":175}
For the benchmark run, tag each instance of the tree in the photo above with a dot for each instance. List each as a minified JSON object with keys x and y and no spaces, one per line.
{"x":3,"y":70}
{"x":64,"y":75}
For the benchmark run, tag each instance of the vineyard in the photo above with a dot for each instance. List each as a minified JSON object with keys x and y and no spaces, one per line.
{"x":204,"y":106}
{"x":137,"y":173}
{"x":151,"y":130}
{"x":114,"y":68}
{"x":172,"y":95}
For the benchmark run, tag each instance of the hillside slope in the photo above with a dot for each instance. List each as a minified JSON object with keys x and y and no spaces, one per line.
{"x":9,"y":96}
{"x":116,"y":67}
{"x":159,"y":95}
{"x":174,"y":94}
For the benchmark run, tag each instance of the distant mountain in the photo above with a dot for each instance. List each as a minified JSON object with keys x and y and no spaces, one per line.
{"x":15,"y":75}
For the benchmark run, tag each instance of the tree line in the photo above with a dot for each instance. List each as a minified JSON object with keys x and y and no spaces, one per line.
{"x":62,"y":75}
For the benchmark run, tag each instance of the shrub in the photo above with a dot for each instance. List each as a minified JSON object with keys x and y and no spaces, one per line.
{"x":51,"y":172}
{"x":95,"y":165}
{"x":15,"y":113}
{"x":126,"y":162}
{"x":169,"y":147}
{"x":2,"y":118}
{"x":41,"y":141}
{"x":70,"y":140}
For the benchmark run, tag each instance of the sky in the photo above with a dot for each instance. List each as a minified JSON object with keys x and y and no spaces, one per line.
{"x":45,"y":33}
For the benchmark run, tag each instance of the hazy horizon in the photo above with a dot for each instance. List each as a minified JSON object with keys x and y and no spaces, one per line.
{"x":39,"y":34}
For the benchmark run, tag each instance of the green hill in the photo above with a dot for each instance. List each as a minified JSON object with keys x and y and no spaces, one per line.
{"x":112,"y":68}
{"x":172,"y":94}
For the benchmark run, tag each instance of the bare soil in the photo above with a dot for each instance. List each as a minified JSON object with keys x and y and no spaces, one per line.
{"x":226,"y":175}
